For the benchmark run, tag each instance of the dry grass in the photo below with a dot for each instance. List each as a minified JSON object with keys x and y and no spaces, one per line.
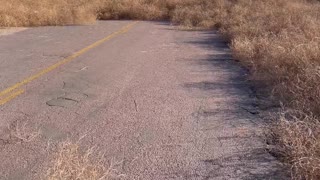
{"x":20,"y":132}
{"x":73,"y":164}
{"x":46,"y":12}
{"x":129,"y":9}
{"x":278,"y":40}
{"x":296,"y":137}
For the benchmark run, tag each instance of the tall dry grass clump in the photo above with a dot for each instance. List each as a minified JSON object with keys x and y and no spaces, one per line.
{"x":279,"y":42}
{"x":47,"y":12}
{"x":63,"y":12}
{"x":138,"y":9}
{"x":296,"y":136}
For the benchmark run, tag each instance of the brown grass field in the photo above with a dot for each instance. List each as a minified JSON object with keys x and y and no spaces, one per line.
{"x":277,"y":40}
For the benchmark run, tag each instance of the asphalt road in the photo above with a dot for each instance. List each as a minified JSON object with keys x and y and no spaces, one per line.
{"x":165,"y":103}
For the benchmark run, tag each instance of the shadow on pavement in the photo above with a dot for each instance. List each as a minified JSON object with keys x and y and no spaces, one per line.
{"x":223,"y":80}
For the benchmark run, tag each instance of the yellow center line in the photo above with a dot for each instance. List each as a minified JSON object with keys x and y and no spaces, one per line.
{"x":11,"y":96}
{"x":58,"y":64}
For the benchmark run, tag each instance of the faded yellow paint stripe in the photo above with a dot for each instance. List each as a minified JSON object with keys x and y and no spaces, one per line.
{"x":11,"y":96}
{"x":66,"y":60}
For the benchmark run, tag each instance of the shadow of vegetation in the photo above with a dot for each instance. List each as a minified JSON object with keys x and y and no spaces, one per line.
{"x":250,"y":165}
{"x":239,"y":109}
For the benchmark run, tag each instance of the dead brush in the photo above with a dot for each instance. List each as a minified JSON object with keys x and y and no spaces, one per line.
{"x":15,"y":13}
{"x":296,"y":139}
{"x":281,"y":49}
{"x":71,"y":163}
{"x":20,"y":132}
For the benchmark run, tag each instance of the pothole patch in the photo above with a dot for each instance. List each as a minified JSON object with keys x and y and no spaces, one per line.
{"x":62,"y":102}
{"x":69,"y":99}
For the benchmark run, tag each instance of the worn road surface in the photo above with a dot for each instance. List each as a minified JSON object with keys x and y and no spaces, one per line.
{"x":164,"y":103}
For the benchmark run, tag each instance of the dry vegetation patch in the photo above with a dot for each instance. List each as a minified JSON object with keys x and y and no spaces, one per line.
{"x":46,"y":12}
{"x":19,"y":132}
{"x":278,"y":40}
{"x":296,"y":136}
{"x":72,"y":162}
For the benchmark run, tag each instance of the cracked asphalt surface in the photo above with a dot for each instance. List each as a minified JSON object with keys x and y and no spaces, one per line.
{"x":167,"y":104}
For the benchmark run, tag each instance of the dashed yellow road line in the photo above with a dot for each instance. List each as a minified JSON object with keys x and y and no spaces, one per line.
{"x":10,"y":96}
